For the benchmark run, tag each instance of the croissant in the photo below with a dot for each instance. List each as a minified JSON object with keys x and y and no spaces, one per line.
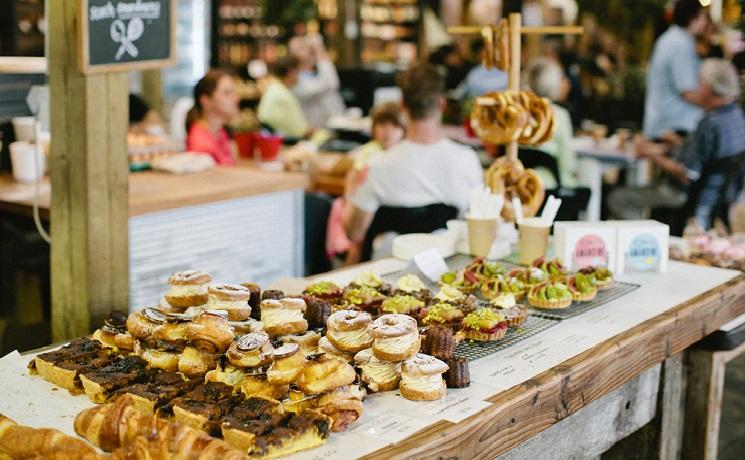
{"x":210,"y":332}
{"x":18,"y":441}
{"x":119,"y":428}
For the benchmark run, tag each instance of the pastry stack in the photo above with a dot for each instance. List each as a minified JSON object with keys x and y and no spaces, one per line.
{"x":440,"y":343}
{"x":187,"y":289}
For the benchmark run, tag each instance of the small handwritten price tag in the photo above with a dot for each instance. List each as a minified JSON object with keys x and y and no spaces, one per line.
{"x":391,"y":427}
{"x":431,"y":263}
{"x":454,"y":408}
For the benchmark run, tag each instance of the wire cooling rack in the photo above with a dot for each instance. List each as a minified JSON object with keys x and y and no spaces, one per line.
{"x":472,"y":350}
{"x":618,"y":289}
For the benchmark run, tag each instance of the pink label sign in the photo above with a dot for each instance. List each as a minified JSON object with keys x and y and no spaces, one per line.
{"x":589,"y":250}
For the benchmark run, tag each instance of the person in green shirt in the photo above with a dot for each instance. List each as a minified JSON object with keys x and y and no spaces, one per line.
{"x":279,"y":108}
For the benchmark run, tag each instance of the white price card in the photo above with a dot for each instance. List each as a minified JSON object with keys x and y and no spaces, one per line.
{"x":431,"y":263}
{"x":341,"y":446}
{"x":392,"y":427}
{"x":454,"y":407}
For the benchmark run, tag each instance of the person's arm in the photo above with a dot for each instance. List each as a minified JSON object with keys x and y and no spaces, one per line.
{"x":365,"y":203}
{"x":684,"y":73}
{"x":325,"y":80}
{"x":671,"y":167}
{"x":358,"y":224}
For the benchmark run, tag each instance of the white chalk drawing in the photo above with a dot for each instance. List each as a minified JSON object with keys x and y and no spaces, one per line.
{"x":126,"y":35}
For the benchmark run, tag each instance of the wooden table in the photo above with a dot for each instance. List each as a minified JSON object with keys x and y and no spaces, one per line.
{"x":535,"y":405}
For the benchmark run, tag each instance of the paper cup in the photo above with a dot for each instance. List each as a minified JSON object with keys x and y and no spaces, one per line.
{"x":23,"y":158}
{"x":533,"y":240}
{"x":481,"y":235}
{"x":24,"y":128}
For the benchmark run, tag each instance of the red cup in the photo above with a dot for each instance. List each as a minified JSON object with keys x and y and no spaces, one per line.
{"x":246,"y":144}
{"x":269,"y":146}
{"x":467,"y":127}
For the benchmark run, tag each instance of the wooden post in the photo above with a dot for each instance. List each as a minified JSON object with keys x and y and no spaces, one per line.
{"x":89,"y":176}
{"x":514,"y":75}
{"x":152,"y":89}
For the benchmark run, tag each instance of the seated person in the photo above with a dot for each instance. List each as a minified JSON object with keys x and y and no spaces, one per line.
{"x":425,"y":168}
{"x":279,"y":108}
{"x":387,"y":130}
{"x":720,"y":134}
{"x":215,"y":104}
{"x":481,"y":80}
{"x":143,"y":119}
{"x":317,"y":88}
{"x":546,"y":79}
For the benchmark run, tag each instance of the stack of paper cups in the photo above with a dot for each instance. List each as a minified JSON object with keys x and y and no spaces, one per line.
{"x":24,"y":157}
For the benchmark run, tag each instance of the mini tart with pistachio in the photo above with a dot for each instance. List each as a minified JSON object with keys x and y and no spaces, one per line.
{"x":401,"y":303}
{"x":443,"y":313}
{"x":529,"y":276}
{"x":515,"y":314}
{"x":503,"y":285}
{"x":550,"y":295}
{"x":363,"y":297}
{"x":326,"y":290}
{"x":583,"y":287}
{"x":602,"y":276}
{"x":485,"y":269}
{"x":371,"y":280}
{"x":553,"y":267}
{"x":484,"y":324}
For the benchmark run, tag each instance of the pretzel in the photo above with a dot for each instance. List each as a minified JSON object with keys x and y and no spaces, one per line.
{"x":498,"y":117}
{"x":487,"y":33}
{"x":513,"y":180}
{"x":539,"y":127}
{"x":502,"y":45}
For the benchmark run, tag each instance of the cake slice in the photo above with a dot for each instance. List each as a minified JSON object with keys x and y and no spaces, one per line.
{"x":101,"y":383}
{"x":63,"y":366}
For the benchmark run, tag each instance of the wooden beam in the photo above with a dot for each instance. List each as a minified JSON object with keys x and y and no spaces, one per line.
{"x":152,"y":89}
{"x":89,"y":172}
{"x":531,"y":407}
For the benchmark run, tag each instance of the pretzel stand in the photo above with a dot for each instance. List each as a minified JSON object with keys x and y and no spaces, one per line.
{"x":512,"y":117}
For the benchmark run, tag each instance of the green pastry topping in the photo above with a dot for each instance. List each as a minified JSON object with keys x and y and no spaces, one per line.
{"x":584,"y":283}
{"x":323,"y":288}
{"x":368,"y":279}
{"x":554,"y":291}
{"x":442,"y":312}
{"x":361,"y":295}
{"x":449,"y":294}
{"x":410,"y":283}
{"x":448,"y":278}
{"x":402,"y":304}
{"x":536,"y":275}
{"x":482,"y":319}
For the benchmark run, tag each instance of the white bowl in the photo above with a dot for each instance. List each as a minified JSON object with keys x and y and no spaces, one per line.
{"x":405,"y":247}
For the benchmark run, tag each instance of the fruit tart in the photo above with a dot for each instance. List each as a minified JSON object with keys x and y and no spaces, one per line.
{"x":503,"y":285}
{"x":371,"y":280}
{"x":553,"y":268}
{"x":582,"y":286}
{"x":444,"y":314}
{"x":465,"y":281}
{"x":550,"y":295}
{"x":484,"y":325}
{"x":603,"y":277}
{"x":363,"y":298}
{"x":402,"y":304}
{"x":325,"y":290}
{"x":529,"y":276}
{"x":485,"y":269}
{"x":506,"y":304}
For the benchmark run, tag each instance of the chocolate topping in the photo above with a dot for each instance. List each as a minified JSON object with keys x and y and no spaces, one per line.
{"x":116,"y":319}
{"x":272,"y":294}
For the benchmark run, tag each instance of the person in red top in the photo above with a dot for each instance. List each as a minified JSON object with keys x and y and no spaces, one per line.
{"x":215,"y":104}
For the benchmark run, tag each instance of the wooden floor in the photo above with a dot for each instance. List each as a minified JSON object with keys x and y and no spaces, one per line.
{"x":732,"y":435}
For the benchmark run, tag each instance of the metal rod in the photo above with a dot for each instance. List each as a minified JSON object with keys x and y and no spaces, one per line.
{"x":564,"y":30}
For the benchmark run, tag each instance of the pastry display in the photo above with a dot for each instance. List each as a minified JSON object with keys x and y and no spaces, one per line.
{"x":553,"y":267}
{"x":484,"y":324}
{"x":254,"y":299}
{"x":503,"y":285}
{"x":102,"y":382}
{"x":288,"y":364}
{"x":114,"y":334}
{"x":443,"y":313}
{"x":511,"y":179}
{"x":325,"y":290}
{"x":21,"y":442}
{"x":439,"y":342}
{"x":395,"y":337}
{"x":322,"y":373}
{"x":284,"y":316}
{"x":210,"y":332}
{"x":317,"y":312}
{"x":342,"y":405}
{"x":251,"y":350}
{"x":237,"y":420}
{"x":347,"y":330}
{"x":457,"y":375}
{"x":63,"y":366}
{"x":529,"y":276}
{"x":372,"y":280}
{"x":550,"y":295}
{"x":273,"y":294}
{"x":421,"y":378}
{"x":119,"y":427}
{"x":325,"y":346}
{"x":402,"y":304}
{"x":600,"y":277}
{"x":411,"y":285}
{"x":378,"y":375}
{"x":365,"y":298}
{"x":230,"y":298}
{"x":308,"y":341}
{"x":157,"y":391}
{"x":256,"y":383}
{"x":188,"y":289}
{"x":202,"y":407}
{"x":583,"y":287}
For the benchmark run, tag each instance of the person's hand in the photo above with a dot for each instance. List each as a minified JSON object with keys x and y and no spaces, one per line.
{"x":672,"y":138}
{"x":647,"y":149}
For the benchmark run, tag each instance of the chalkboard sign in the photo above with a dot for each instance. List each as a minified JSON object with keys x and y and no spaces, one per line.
{"x":123,"y":35}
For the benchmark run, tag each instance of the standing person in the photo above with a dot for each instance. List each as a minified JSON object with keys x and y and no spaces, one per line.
{"x":546,"y":78}
{"x":426,"y":167}
{"x":279,"y":108}
{"x":672,"y":103}
{"x":387,"y":130}
{"x":215,"y":104}
{"x":317,"y":88}
{"x":719,"y":135}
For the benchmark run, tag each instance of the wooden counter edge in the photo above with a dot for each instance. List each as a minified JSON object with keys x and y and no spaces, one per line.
{"x":533,"y":406}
